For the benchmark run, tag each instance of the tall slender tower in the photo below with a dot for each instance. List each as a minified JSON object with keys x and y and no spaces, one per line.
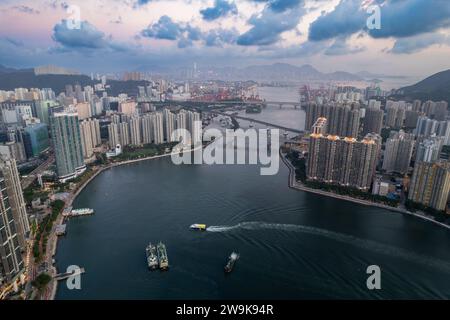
{"x":14,"y":225}
{"x":398,"y":152}
{"x":113,"y":133}
{"x":430,"y":184}
{"x":86,"y":139}
{"x":169,"y":125}
{"x":124,"y":134}
{"x":158,"y":128}
{"x":135,"y":131}
{"x":194,"y":127}
{"x":147,"y":129}
{"x":67,"y":143}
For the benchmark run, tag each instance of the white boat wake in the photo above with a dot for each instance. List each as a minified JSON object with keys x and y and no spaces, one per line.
{"x":344,"y":238}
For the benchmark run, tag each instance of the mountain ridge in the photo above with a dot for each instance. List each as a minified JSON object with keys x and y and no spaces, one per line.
{"x":435,"y":87}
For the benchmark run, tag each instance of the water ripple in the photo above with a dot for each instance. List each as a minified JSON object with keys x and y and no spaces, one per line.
{"x":344,"y":238}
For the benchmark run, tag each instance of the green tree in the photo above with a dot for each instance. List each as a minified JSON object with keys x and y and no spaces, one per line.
{"x":41,"y":281}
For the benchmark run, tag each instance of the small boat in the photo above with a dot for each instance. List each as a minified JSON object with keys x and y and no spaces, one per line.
{"x":162,"y":256}
{"x":231,"y":261}
{"x":152,"y":259}
{"x":197,"y":226}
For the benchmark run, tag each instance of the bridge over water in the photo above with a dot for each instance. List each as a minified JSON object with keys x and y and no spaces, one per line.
{"x":260,"y":122}
{"x":199,"y":103}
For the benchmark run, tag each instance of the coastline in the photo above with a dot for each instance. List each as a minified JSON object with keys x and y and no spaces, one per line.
{"x":53,"y":242}
{"x":293,"y":184}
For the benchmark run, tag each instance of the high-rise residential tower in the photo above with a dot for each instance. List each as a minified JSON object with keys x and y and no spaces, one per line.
{"x":113,"y":134}
{"x":429,"y":149}
{"x":398,"y":152}
{"x":343,"y":161}
{"x":430,"y":184}
{"x":169,"y":125}
{"x":147,"y":129}
{"x":395,"y":114}
{"x":342,"y":119}
{"x":124,"y":134}
{"x":135,"y":131}
{"x":158,"y":127}
{"x":66,"y":137}
{"x":90,"y":136}
{"x":14,"y":225}
{"x":373,"y":121}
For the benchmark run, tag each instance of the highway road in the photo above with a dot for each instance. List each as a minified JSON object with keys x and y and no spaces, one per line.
{"x":28,"y":180}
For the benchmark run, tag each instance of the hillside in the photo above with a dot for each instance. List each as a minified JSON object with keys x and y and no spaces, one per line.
{"x":435,"y":87}
{"x":27,"y":79}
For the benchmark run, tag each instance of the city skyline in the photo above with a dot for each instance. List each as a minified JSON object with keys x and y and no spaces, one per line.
{"x":224,"y":149}
{"x":361,"y":145}
{"x":134,"y":34}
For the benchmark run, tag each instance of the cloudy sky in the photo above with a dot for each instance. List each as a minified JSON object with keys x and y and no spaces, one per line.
{"x":118,"y":35}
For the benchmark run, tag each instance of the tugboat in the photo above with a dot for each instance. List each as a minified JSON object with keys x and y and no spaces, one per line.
{"x":162,"y":256}
{"x":231,"y":261}
{"x":197,"y":226}
{"x":152,"y":259}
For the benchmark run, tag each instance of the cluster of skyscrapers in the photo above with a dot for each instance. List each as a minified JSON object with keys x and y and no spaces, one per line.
{"x":23,"y":132}
{"x":154,"y":127}
{"x":344,"y":161}
{"x":416,"y":131}
{"x":342,"y":118}
{"x":74,"y":123}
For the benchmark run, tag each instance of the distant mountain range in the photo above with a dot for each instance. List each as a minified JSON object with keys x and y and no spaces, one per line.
{"x":435,"y":87}
{"x":4,"y":69}
{"x":11,"y":78}
{"x":275,"y":72}
{"x":370,"y":75}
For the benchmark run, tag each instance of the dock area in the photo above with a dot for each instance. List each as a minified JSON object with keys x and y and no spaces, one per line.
{"x":61,"y":229}
{"x":70,"y":212}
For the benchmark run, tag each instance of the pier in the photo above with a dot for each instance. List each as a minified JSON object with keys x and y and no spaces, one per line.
{"x":66,"y":275}
{"x":69,"y":212}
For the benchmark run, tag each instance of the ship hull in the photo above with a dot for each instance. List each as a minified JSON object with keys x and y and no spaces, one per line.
{"x":231,"y":262}
{"x":162,"y":257}
{"x":198,"y":227}
{"x":152,"y":259}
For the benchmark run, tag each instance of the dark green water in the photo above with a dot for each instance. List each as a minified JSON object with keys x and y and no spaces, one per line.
{"x":293,"y":245}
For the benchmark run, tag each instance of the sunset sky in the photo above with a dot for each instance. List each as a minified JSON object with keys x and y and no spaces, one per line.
{"x":118,"y":35}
